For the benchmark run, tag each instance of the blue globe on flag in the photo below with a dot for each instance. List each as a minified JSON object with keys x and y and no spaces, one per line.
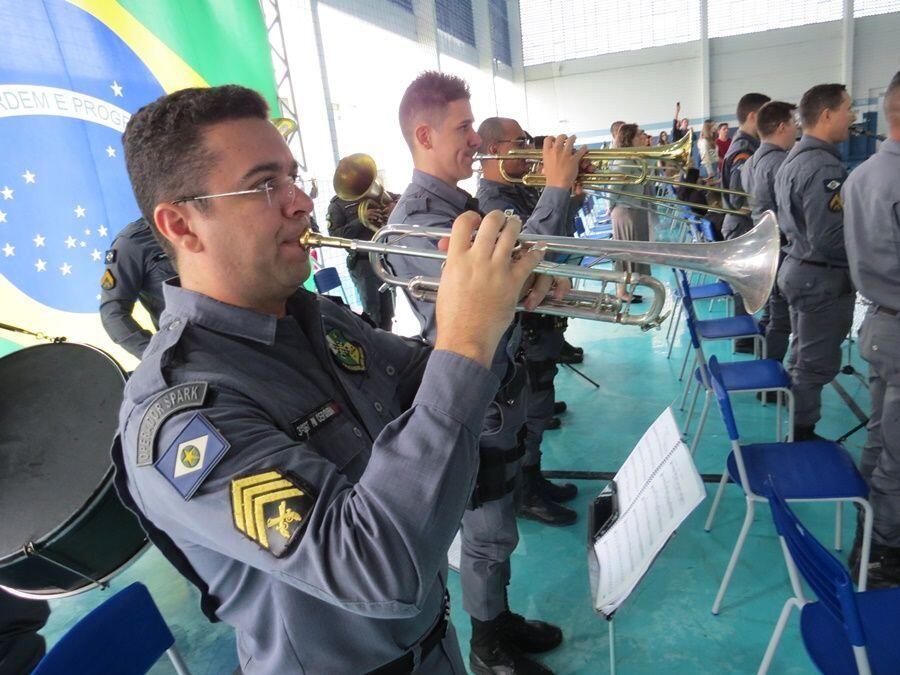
{"x":68,"y":85}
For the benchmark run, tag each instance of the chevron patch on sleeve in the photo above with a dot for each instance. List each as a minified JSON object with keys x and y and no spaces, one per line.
{"x":271,"y":508}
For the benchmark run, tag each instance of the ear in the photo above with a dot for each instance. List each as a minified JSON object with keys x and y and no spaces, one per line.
{"x":422,"y":134}
{"x":174,"y":223}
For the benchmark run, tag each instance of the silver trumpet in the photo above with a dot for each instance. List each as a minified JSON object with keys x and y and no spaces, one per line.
{"x":748,"y":263}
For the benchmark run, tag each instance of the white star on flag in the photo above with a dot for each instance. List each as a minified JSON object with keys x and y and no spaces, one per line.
{"x":110,"y":151}
{"x":70,"y":242}
{"x":28,"y":176}
{"x":38,"y":240}
{"x":82,"y":244}
{"x":95,"y":254}
{"x":9,"y":250}
{"x":101,"y":231}
{"x":2,"y":216}
{"x":66,"y":269}
{"x":79,"y":211}
{"x":7,"y":193}
{"x":87,"y":232}
{"x":40,"y":265}
{"x":116,"y":87}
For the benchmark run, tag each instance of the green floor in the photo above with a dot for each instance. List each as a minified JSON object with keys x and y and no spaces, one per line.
{"x":666,"y":626}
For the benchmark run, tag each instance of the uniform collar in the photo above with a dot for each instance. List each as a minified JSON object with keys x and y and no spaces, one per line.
{"x":221,"y":317}
{"x":812,"y":143}
{"x":451,"y":194}
{"x":891,"y":146}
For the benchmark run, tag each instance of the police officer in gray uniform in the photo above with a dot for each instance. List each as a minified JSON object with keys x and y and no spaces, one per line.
{"x":871,"y":198}
{"x":136,"y":267}
{"x":437,"y":124}
{"x":814,"y":276}
{"x":778,"y":133}
{"x":304,"y":470}
{"x":743,"y":145}
{"x":542,"y":335}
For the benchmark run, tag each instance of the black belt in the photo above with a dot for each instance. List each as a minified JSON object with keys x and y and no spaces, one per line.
{"x":407,"y":662}
{"x":815,"y":263}
{"x":885,"y":310}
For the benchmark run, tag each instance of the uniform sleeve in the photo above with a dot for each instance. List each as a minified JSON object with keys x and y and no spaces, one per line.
{"x":373,"y":548}
{"x":823,"y":212}
{"x":120,"y":286}
{"x":734,"y":179}
{"x":549,"y":216}
{"x":340,"y":224}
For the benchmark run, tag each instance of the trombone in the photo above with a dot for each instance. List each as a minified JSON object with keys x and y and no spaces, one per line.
{"x":748,"y":263}
{"x":633,"y":167}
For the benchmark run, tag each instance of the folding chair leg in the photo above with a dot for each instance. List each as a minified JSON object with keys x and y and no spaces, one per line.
{"x":690,"y":348}
{"x":866,"y":548}
{"x":687,"y":422}
{"x":688,"y":385}
{"x":674,"y":324}
{"x":732,"y":563}
{"x":790,"y":398}
{"x":177,"y":662}
{"x":715,"y":505}
{"x":779,"y":396}
{"x":838,"y":525}
{"x":776,"y":635}
{"x":701,"y":423}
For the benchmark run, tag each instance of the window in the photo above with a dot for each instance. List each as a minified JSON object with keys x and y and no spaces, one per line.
{"x":736,"y":17}
{"x":500,"y":32}
{"x":557,"y":30}
{"x":455,"y":18}
{"x":873,"y":7}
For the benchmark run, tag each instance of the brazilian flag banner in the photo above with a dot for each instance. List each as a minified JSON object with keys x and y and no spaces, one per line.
{"x":71,"y":74}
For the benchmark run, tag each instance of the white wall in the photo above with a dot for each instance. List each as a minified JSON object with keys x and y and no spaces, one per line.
{"x":586,"y":95}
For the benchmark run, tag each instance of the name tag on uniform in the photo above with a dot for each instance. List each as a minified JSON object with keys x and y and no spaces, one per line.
{"x":192,"y":455}
{"x":306,"y":425}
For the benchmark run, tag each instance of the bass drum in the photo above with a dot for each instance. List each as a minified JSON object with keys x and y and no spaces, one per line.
{"x":63,"y":529}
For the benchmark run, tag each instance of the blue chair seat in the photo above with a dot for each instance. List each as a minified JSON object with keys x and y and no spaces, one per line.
{"x":801,"y":470}
{"x":826,"y":640}
{"x":711,"y":329}
{"x":707,"y":291}
{"x":751,"y":375}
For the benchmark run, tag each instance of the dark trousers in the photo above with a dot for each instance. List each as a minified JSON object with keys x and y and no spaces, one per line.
{"x":378,"y":306}
{"x":21,"y":647}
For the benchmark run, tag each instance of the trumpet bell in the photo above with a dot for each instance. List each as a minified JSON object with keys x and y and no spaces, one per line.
{"x":356,"y":177}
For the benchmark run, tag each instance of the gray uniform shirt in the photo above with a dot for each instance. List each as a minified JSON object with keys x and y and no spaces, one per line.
{"x":136,"y":267}
{"x":741,"y":149}
{"x":758,"y":178}
{"x":810,"y":211}
{"x":335,"y":407}
{"x":871,"y":198}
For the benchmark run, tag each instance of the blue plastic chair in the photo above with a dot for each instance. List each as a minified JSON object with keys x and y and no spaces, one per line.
{"x":125,"y":635}
{"x":713,"y":291}
{"x":741,"y":376}
{"x":327,"y":279}
{"x":811,"y":471}
{"x":845,"y":631}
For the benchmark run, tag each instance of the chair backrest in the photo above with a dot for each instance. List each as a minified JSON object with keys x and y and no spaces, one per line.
{"x":125,"y":635}
{"x":686,"y":295}
{"x":715,"y":379}
{"x":326,"y":279}
{"x":825,"y":575}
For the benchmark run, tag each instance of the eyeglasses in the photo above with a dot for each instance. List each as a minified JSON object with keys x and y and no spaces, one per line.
{"x":522,"y":142}
{"x":276,"y":190}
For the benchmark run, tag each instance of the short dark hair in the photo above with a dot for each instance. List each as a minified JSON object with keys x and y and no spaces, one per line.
{"x":626,"y":134}
{"x":816,"y":100}
{"x":721,"y":124}
{"x":773,"y":114}
{"x":164,"y":150}
{"x":750,"y":103}
{"x":892,"y":98}
{"x":491,"y":131}
{"x":426,"y":98}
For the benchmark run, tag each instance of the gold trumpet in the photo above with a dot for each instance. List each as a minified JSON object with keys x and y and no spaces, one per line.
{"x":748,"y":263}
{"x":356,"y":180}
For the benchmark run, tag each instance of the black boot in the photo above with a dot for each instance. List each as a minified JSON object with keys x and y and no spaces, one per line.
{"x":572,"y":355}
{"x":537,"y":506}
{"x":491,"y":654}
{"x":557,"y":492}
{"x":571,"y":349}
{"x":769,"y":396}
{"x":553,"y":424}
{"x":744,"y":346}
{"x":559,"y":407}
{"x":806,"y":433}
{"x":884,"y":567}
{"x":532,"y":637}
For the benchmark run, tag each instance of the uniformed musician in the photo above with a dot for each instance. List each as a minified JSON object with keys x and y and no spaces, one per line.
{"x":743,"y":145}
{"x":136,"y":267}
{"x":777,"y":133}
{"x":543,"y":336}
{"x":814,"y":276}
{"x":871,"y":197}
{"x":306,"y":471}
{"x":437,"y":123}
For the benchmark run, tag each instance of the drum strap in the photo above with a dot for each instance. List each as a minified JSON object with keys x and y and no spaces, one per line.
{"x":25,"y":331}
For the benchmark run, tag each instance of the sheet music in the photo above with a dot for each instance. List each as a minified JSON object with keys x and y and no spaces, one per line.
{"x":658,"y":487}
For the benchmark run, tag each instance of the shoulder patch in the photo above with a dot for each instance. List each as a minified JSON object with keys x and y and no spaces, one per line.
{"x":835,"y":203}
{"x":741,"y":157}
{"x":110,"y":256}
{"x":833,"y":184}
{"x":271,"y":508}
{"x":166,"y":404}
{"x":107,"y":281}
{"x":192,"y":455}
{"x":348,"y":355}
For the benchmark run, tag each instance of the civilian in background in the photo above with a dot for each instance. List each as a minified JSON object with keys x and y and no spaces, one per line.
{"x":723,"y":142}
{"x":709,"y":152}
{"x":663,"y":138}
{"x":679,"y":126}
